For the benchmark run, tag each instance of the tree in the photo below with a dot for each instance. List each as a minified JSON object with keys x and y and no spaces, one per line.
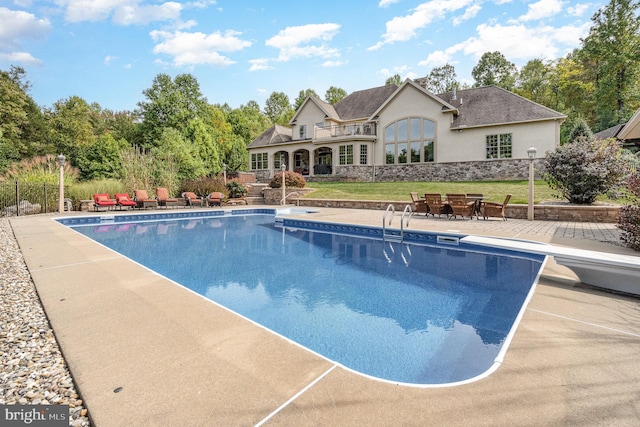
{"x":393,"y":80}
{"x":302,"y":96}
{"x":13,"y":117}
{"x":580,"y":130}
{"x":611,"y":51}
{"x":170,"y":104}
{"x":333,"y":95}
{"x":101,"y":158}
{"x":494,"y":69}
{"x":535,"y":82}
{"x":442,"y":79}
{"x":278,"y":108}
{"x":247,"y":121}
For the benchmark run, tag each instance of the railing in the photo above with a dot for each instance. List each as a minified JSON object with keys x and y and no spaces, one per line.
{"x":284,"y":199}
{"x":25,"y":198}
{"x":350,"y":129}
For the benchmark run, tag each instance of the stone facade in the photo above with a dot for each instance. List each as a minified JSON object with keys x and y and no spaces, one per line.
{"x":485,"y":170}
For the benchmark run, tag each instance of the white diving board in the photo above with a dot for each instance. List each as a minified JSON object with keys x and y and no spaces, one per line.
{"x":601,"y":269}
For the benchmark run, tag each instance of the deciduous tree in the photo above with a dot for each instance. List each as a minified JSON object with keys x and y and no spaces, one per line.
{"x":494,"y":69}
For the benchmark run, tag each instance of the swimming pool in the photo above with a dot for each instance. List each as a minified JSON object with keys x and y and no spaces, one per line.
{"x":419,"y":312}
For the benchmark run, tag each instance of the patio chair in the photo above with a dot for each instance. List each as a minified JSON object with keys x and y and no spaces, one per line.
{"x":215,"y":198}
{"x":435,"y":205}
{"x":418,"y":204}
{"x":495,"y":209}
{"x":460,"y":205}
{"x":143,"y":200}
{"x":164,"y":199}
{"x":192,"y":199}
{"x":123,"y":199}
{"x":102,"y":200}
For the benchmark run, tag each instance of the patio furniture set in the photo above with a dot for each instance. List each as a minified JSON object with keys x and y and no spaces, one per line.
{"x":141,"y":200}
{"x":453,"y":205}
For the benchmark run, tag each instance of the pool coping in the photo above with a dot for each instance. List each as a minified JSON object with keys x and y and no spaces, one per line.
{"x":114,"y":332}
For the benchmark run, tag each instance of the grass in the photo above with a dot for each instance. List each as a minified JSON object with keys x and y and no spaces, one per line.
{"x":494,"y":191}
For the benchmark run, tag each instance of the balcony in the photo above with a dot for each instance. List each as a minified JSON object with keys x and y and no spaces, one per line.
{"x":361,"y":131}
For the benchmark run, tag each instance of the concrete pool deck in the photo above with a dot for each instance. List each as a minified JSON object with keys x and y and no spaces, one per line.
{"x":178,"y":359}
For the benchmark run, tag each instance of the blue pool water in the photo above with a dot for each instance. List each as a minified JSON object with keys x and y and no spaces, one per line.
{"x":416,"y":313}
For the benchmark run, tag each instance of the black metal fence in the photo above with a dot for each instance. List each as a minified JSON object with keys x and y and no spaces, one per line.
{"x":25,"y":198}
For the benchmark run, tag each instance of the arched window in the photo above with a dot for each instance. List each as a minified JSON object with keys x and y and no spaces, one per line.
{"x":409,"y":140}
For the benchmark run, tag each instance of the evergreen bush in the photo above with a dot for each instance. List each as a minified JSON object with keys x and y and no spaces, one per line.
{"x":291,"y":179}
{"x":584,"y":169}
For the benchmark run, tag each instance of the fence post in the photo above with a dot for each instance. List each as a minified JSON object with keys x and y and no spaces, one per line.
{"x":17,"y":199}
{"x":45,"y":197}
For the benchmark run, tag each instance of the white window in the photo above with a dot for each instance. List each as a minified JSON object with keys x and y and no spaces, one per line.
{"x":364,"y":157}
{"x":410,"y":140}
{"x":259,"y":161}
{"x":303,"y":131}
{"x":499,"y":146}
{"x":346,"y":154}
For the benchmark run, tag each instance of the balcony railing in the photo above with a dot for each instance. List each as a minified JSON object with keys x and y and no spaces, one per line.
{"x":350,"y":129}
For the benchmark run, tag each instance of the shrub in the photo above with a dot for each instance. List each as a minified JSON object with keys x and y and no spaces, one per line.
{"x":204,"y":186}
{"x":584,"y":169}
{"x":41,"y":169}
{"x":629,"y":220}
{"x":291,"y":179}
{"x":236,"y":189}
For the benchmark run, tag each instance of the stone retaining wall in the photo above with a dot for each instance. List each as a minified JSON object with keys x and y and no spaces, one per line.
{"x":572,"y":213}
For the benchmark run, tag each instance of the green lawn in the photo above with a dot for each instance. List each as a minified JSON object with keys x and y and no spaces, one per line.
{"x":492,"y":190}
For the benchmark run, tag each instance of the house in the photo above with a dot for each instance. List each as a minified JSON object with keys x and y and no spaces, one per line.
{"x":392,"y":133}
{"x":628,"y":133}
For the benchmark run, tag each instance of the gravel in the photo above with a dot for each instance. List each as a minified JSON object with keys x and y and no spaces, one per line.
{"x":33,"y":369}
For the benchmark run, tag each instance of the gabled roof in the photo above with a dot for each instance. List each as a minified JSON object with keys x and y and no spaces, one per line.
{"x":363,"y":103}
{"x":631,"y":130}
{"x":276,"y":134}
{"x":399,"y":89}
{"x":611,"y":132}
{"x":492,"y":105}
{"x":325,"y":107}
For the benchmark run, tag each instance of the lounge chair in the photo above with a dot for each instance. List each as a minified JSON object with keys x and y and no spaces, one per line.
{"x":102,"y":201}
{"x":192,"y":199}
{"x":460,"y":205}
{"x":123,"y":200}
{"x":477,"y":199}
{"x":164,"y":199}
{"x":143,"y":200}
{"x":435,"y":206}
{"x":418,"y":204}
{"x":495,"y":209}
{"x":215,"y":198}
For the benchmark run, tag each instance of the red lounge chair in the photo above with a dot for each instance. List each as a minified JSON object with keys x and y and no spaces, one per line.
{"x":101,"y":201}
{"x":164,"y":199}
{"x":215,"y":198}
{"x":192,"y":199}
{"x":123,"y":200}
{"x":143,"y":200}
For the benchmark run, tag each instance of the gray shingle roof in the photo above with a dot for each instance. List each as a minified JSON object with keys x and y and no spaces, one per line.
{"x":276,"y":134}
{"x":491,"y":105}
{"x":363,"y":103}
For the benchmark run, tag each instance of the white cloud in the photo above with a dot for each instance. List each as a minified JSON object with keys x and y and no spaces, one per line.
{"x":403,"y":28}
{"x":298,"y":41}
{"x":541,"y":41}
{"x":387,"y":3}
{"x":19,"y":58}
{"x":18,"y":25}
{"x":578,"y":9}
{"x":259,"y":64}
{"x":436,"y":59}
{"x":470,"y":13}
{"x":109,"y":59}
{"x":542,"y":9}
{"x":198,"y":48}
{"x":124,"y":12}
{"x":327,"y":64}
{"x":402,"y":70}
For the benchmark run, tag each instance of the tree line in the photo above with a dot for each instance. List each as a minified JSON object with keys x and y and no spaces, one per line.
{"x":597,"y":83}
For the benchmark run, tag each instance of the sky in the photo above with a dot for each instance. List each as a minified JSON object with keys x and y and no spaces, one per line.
{"x":109,"y":51}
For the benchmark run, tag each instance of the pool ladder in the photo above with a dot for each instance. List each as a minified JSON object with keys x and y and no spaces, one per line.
{"x":389,"y":239}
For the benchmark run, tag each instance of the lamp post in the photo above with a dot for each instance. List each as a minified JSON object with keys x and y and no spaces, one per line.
{"x":61,"y":161}
{"x":224,"y":172}
{"x":283,"y":166}
{"x":531,"y":153}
